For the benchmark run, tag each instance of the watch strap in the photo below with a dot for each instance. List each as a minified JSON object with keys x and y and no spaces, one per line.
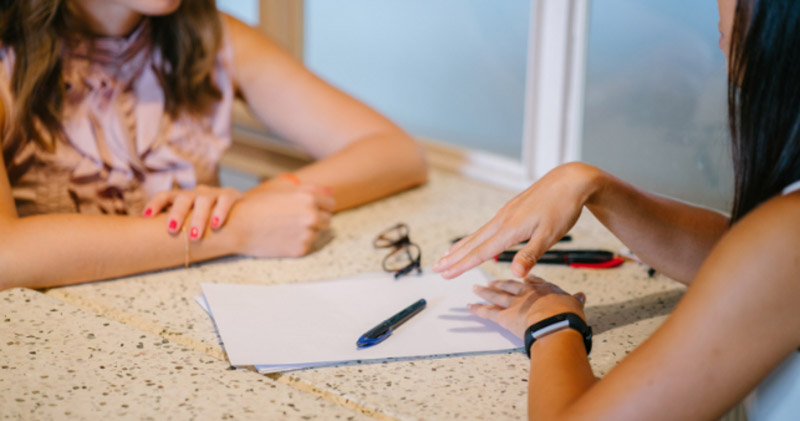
{"x":556,"y":323}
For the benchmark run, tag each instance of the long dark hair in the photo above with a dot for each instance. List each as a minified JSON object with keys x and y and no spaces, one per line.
{"x":764,"y":100}
{"x":188,"y":40}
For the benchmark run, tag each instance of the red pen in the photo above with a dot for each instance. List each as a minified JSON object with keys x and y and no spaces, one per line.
{"x":594,"y":259}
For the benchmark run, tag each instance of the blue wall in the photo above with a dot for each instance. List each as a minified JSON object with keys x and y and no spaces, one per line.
{"x":655,"y":109}
{"x":244,"y":10}
{"x":452,"y":70}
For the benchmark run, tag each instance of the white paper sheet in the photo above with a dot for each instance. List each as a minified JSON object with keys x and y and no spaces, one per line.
{"x":265,"y":368}
{"x":300,"y":325}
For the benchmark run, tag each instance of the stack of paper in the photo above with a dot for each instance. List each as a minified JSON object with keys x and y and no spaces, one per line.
{"x":292,"y":326}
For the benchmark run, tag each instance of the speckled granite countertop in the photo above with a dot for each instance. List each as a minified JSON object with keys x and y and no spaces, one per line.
{"x":63,"y":362}
{"x":158,"y":310}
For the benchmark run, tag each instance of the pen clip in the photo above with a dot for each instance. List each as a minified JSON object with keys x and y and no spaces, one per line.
{"x":604,"y":265}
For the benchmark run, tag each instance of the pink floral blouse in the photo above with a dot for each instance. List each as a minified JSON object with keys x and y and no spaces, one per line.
{"x":120,"y":147}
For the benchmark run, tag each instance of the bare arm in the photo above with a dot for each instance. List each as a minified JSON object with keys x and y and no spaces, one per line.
{"x":48,"y":250}
{"x":671,"y":236}
{"x":363,"y":156}
{"x":51,"y":250}
{"x":735,"y":324}
{"x":61,"y":249}
{"x":722,"y":339}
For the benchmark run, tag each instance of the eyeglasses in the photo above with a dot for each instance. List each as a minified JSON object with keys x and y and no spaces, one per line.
{"x":405,"y":256}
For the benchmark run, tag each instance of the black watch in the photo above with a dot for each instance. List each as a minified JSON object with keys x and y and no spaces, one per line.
{"x":554,"y":324}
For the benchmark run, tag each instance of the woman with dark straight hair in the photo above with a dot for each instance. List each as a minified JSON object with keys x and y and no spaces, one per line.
{"x":111,"y":109}
{"x":736,"y":331}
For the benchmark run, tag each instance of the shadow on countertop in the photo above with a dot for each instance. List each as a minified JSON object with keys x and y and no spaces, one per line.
{"x":605,"y":317}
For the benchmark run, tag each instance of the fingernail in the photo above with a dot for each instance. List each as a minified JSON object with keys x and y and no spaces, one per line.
{"x":194,"y":233}
{"x":173,"y":225}
{"x":215,"y":222}
{"x":327,"y":190}
{"x":148,"y":212}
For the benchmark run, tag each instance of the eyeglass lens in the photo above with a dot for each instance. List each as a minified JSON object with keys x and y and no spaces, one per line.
{"x":392,"y":237}
{"x":406,"y":255}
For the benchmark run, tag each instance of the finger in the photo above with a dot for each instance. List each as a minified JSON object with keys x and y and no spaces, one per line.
{"x":454,"y":247}
{"x":314,"y":219}
{"x":527,"y":256}
{"x":308,"y":244}
{"x":470,"y":241}
{"x":494,"y":296}
{"x":465,"y":245}
{"x":223,"y":208}
{"x":323,"y":190}
{"x":325,"y":202}
{"x":488,"y":312}
{"x":180,"y":207}
{"x":485,"y":251}
{"x":483,"y":248}
{"x":552,"y":288}
{"x":509,"y":286}
{"x":321,"y":200}
{"x":533,"y":279}
{"x":201,"y":211}
{"x":323,"y":221}
{"x":547,"y":288}
{"x":158,"y":202}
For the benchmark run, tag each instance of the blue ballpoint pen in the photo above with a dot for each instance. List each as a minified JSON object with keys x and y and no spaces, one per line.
{"x":382,"y":331}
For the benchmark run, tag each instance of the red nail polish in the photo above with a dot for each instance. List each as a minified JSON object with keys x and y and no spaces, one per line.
{"x":194,"y":233}
{"x":148,"y":212}
{"x":328,"y":191}
{"x":215,"y":222}
{"x":173,"y":225}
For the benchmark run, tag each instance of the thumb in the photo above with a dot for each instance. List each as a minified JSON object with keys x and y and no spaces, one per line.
{"x":526,"y":257}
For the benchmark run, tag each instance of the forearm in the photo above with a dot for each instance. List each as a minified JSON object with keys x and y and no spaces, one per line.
{"x":670,"y":236}
{"x":369,"y":168}
{"x":559,"y":374}
{"x":361,"y":155}
{"x":49,"y":250}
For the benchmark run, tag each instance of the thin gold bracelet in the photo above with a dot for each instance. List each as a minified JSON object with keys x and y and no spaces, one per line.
{"x":187,"y":256}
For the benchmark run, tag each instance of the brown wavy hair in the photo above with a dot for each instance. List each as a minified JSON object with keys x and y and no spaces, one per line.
{"x":37,"y":30}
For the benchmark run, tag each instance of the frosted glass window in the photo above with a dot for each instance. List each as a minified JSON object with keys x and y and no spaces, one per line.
{"x":655,"y":111}
{"x":449,"y":70}
{"x":244,"y":10}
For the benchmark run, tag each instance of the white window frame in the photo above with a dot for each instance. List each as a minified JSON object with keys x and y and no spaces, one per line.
{"x":553,"y":113}
{"x":554,"y":86}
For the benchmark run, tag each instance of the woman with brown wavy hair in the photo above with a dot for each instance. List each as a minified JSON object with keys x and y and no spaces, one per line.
{"x":736,"y":332}
{"x":119,"y":108}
